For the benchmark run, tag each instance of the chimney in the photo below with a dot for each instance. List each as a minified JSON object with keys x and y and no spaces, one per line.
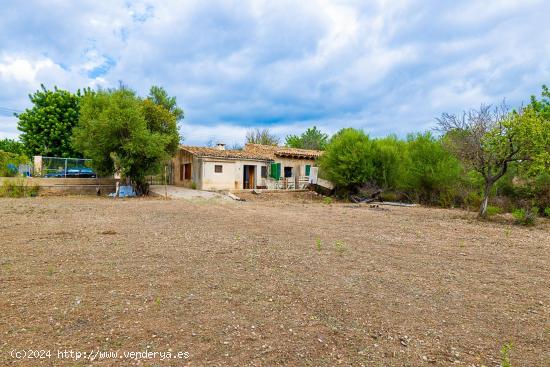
{"x":220,"y":146}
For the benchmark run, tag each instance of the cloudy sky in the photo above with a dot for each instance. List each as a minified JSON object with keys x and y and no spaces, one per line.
{"x":384,"y":66}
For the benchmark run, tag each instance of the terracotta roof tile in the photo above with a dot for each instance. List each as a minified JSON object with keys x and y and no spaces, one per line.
{"x":253,"y":151}
{"x":276,"y":151}
{"x":228,"y":154}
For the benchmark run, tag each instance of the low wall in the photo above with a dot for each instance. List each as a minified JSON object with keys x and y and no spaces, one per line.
{"x":65,"y":186}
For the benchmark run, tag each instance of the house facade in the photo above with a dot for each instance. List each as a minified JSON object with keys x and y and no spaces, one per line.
{"x":255,"y":167}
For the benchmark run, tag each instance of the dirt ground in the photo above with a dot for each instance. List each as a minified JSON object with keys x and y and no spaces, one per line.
{"x":268,"y":282}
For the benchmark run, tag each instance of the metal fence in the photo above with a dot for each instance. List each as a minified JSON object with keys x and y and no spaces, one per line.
{"x":55,"y":167}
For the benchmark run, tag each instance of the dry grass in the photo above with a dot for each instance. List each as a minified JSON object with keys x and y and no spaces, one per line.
{"x":271,"y":283}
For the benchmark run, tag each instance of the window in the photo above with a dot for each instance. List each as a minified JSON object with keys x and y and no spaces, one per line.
{"x":276,"y":170}
{"x":187,"y":171}
{"x":264,"y":171}
{"x":308,"y":169}
{"x":181,"y":172}
{"x":288,"y":171}
{"x":218,"y":168}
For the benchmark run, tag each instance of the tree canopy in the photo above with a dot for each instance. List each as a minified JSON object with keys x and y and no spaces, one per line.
{"x":346,"y":161}
{"x":47,"y":126}
{"x":488,"y":140}
{"x":312,"y":138}
{"x":119,"y":130}
{"x":11,"y":146}
{"x":159,"y":96}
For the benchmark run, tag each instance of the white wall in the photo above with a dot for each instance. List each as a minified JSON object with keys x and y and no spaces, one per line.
{"x":212,"y":180}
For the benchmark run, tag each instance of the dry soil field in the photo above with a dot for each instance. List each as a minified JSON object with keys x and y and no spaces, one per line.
{"x":269,"y":282}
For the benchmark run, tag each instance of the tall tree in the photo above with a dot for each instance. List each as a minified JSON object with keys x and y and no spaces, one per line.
{"x":47,"y":126}
{"x":488,"y":139}
{"x":312,"y":138}
{"x":117,"y":128}
{"x":261,"y":136}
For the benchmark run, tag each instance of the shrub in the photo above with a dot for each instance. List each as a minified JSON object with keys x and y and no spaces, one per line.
{"x":505,"y":355}
{"x":389,"y":196}
{"x":547,"y":211}
{"x":526,"y":217}
{"x":493,"y":210}
{"x":432,"y":173}
{"x":387,"y":157}
{"x":327,"y":200}
{"x":347,"y":161}
{"x":17,"y":189}
{"x":340,"y":247}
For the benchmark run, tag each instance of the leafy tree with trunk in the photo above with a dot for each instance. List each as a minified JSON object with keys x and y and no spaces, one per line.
{"x":46,"y":127}
{"x":117,"y":128}
{"x":488,"y":140}
{"x":347,"y":159}
{"x":261,"y":136}
{"x":11,"y":146}
{"x":312,"y":138}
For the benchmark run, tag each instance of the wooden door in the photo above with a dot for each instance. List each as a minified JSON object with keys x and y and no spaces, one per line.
{"x":251,"y":176}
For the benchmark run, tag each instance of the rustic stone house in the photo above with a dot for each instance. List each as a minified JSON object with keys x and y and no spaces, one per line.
{"x":255,"y":167}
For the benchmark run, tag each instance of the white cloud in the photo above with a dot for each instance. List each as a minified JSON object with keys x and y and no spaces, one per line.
{"x":386,"y":66}
{"x":8,"y":127}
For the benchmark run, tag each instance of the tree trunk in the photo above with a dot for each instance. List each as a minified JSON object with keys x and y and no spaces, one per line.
{"x":485,"y":202}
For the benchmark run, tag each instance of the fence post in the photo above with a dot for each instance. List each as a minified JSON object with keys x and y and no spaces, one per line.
{"x":65,"y":167}
{"x":165,"y":187}
{"x":37,"y":165}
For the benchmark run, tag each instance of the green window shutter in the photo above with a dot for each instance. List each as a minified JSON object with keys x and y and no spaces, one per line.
{"x":275,"y":170}
{"x":308,"y":169}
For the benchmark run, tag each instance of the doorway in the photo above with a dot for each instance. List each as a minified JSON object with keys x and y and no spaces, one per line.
{"x":249,"y":176}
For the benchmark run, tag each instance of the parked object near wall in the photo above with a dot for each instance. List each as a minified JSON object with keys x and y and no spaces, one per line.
{"x":56,"y":167}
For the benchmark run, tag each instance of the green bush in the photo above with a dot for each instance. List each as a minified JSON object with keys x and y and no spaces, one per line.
{"x":347,"y":160}
{"x":387,"y":158}
{"x":526,"y":217}
{"x":431,"y":172}
{"x":493,"y":210}
{"x":547,"y":211}
{"x":505,"y":355}
{"x":421,"y":169}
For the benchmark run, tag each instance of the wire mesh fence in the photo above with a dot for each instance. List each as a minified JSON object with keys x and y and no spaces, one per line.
{"x":55,"y":167}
